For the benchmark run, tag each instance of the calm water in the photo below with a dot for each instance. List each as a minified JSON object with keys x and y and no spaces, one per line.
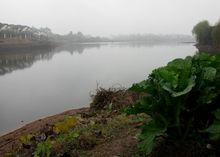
{"x":46,"y":82}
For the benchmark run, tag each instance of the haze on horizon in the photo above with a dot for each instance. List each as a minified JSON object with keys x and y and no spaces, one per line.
{"x":110,"y":17}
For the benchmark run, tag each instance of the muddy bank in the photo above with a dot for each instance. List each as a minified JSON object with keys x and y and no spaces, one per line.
{"x":106,"y":112}
{"x":208,"y":48}
{"x":9,"y":141}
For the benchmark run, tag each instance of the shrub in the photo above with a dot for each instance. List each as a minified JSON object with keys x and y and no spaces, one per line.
{"x":216,"y":34}
{"x":202,"y":32}
{"x":43,"y":149}
{"x":182,"y":100}
{"x":66,"y":125}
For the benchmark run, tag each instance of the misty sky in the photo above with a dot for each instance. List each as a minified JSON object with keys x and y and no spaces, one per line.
{"x":108,"y":17}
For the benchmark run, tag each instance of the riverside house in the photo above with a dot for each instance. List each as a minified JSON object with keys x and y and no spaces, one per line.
{"x":20,"y":32}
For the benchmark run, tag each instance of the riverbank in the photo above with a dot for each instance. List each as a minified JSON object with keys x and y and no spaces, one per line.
{"x":102,"y":130}
{"x":105,"y":117}
{"x":208,"y":48}
{"x":16,"y":45}
{"x":10,"y":141}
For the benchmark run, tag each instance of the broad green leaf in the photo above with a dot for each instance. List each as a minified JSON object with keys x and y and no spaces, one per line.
{"x":214,"y":136}
{"x":207,"y":96}
{"x":217,"y":114}
{"x":169,"y":77}
{"x":191,"y":84}
{"x":148,"y":135}
{"x":214,"y":130}
{"x":180,"y":64}
{"x":209,"y":73}
{"x":139,"y":87}
{"x":147,"y":144}
{"x":142,"y":106}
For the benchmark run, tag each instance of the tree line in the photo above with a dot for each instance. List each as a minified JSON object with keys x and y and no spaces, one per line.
{"x":207,"y":34}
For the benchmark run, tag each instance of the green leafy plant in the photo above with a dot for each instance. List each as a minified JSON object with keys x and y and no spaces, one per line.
{"x":26,"y":139}
{"x":66,"y":125}
{"x":43,"y":149}
{"x":180,"y":98}
{"x":69,"y":137}
{"x":214,"y":129}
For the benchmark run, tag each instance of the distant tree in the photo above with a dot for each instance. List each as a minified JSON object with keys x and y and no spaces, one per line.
{"x":216,"y":34}
{"x":70,"y":33}
{"x":202,"y":32}
{"x":80,"y":37}
{"x":46,"y":30}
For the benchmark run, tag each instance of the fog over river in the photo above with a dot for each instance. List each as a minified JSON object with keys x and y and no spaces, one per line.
{"x":46,"y":82}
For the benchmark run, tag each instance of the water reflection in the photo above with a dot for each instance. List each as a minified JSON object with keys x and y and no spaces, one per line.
{"x":21,"y":59}
{"x":77,"y":48}
{"x":12,"y":62}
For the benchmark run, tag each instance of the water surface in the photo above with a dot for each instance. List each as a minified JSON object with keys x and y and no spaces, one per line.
{"x":45,"y":82}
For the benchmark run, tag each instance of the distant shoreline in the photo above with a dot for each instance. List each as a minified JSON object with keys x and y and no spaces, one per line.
{"x":208,"y":48}
{"x":26,"y":47}
{"x":43,"y":46}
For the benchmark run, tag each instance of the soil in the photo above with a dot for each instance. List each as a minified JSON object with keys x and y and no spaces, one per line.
{"x":10,"y":141}
{"x":125,"y":144}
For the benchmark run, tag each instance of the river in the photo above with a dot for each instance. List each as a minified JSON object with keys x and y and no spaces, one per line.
{"x":46,"y":82}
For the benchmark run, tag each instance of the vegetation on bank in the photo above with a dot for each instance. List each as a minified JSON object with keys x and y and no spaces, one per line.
{"x":182,"y":99}
{"x":207,"y":34}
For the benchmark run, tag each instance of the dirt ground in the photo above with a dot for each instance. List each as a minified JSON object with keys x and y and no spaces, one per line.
{"x":10,"y":141}
{"x":123,"y":144}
